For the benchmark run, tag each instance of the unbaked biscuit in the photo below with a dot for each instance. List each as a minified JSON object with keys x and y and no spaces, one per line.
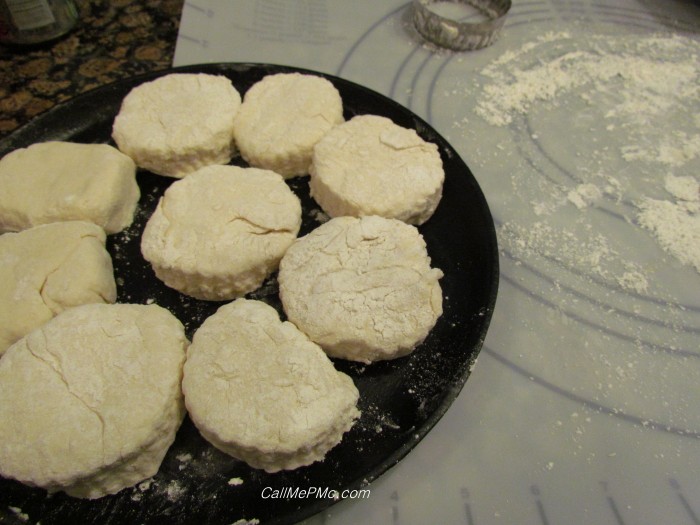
{"x":47,"y":269}
{"x":91,"y":400}
{"x":282,"y":117}
{"x":371,"y":166}
{"x":362,"y":288}
{"x":178,"y":123}
{"x":218,"y":233}
{"x":259,"y":390}
{"x":63,"y":181}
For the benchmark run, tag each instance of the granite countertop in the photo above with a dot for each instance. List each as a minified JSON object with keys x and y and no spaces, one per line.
{"x":113,"y":39}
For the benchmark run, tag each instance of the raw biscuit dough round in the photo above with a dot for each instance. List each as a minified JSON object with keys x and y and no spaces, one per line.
{"x":47,"y":269}
{"x":218,"y":233}
{"x":261,"y":391}
{"x":178,"y":123}
{"x":282,"y":117}
{"x":91,"y":401}
{"x":371,"y":166}
{"x":63,"y":181}
{"x":362,"y":288}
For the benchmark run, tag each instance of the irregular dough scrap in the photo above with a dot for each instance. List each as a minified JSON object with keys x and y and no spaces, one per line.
{"x":63,"y":181}
{"x":362,"y":288}
{"x":178,"y":123}
{"x":259,"y":390}
{"x":282,"y":117}
{"x":218,"y":233}
{"x":371,"y":166}
{"x":47,"y":269}
{"x":91,"y":400}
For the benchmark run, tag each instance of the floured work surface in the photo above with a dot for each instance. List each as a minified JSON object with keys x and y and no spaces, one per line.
{"x":400,"y":400}
{"x":597,"y":207}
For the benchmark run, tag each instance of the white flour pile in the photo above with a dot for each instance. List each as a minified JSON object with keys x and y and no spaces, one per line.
{"x":675,"y":224}
{"x":652,"y":82}
{"x":639,"y":159}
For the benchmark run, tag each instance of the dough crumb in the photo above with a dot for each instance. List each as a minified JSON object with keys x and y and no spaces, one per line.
{"x":584,"y":195}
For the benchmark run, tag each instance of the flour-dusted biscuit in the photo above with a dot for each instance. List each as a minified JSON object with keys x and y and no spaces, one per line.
{"x":91,"y":401}
{"x":362,"y":288}
{"x":282,"y":117}
{"x":177,"y":123}
{"x":48,"y":268}
{"x":218,"y":233}
{"x":63,"y":181}
{"x":261,"y":391}
{"x":371,"y":166}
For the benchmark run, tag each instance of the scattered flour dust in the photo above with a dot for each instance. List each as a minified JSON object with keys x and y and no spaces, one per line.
{"x":584,"y":195}
{"x":174,"y":490}
{"x":641,"y":86}
{"x":592,"y":251}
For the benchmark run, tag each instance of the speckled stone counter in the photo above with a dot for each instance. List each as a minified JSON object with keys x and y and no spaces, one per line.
{"x":113,"y":39}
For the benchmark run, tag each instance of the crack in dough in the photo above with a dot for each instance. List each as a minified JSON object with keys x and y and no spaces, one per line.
{"x":55,"y":366}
